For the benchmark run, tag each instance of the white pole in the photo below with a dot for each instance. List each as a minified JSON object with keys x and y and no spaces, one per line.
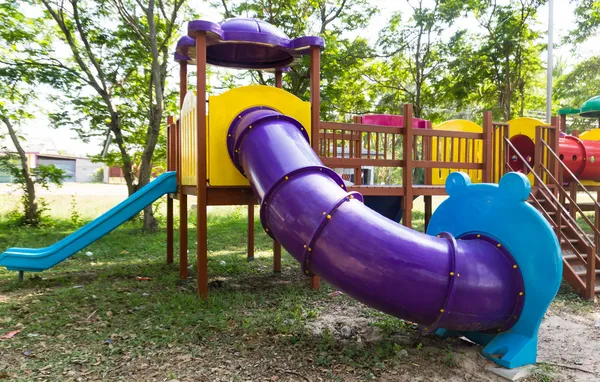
{"x":549,"y":61}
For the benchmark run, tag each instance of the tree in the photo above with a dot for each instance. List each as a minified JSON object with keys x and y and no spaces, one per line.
{"x":587,"y":20}
{"x":119,"y":53}
{"x":510,"y":52}
{"x":499,"y":68}
{"x":344,"y":91}
{"x":19,"y":90}
{"x":575,"y":87}
{"x":416,"y":56}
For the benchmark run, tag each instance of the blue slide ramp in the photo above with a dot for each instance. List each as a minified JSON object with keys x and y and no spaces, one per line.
{"x":36,"y":260}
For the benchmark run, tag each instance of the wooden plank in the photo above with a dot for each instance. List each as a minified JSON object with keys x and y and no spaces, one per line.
{"x":446,"y":133}
{"x":354,"y":162}
{"x":448,"y":165}
{"x":360,"y":127}
{"x":378,"y":191}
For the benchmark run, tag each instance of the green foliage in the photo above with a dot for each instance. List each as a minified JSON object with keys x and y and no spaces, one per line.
{"x":98,"y":176}
{"x":74,"y":212}
{"x":43,"y":176}
{"x":343,"y":60}
{"x":415,"y":57}
{"x":500,"y":69}
{"x":587,"y":20}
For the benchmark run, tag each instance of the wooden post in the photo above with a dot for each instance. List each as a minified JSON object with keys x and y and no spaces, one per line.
{"x":276,"y":244}
{"x":276,"y":257}
{"x":590,"y":279}
{"x":573,"y":195}
{"x":591,"y":259}
{"x":427,"y":144}
{"x":556,"y":169}
{"x":250,"y":231}
{"x":315,"y":115}
{"x":201,"y":226}
{"x":315,"y":95}
{"x":427,"y":199}
{"x":170,"y":167}
{"x":183,"y":218}
{"x":357,"y":151}
{"x":486,"y":144}
{"x":407,"y":149}
{"x":563,"y":123}
{"x":538,"y":156}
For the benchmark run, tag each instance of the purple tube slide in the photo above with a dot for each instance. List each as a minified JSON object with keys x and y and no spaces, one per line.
{"x":397,"y":270}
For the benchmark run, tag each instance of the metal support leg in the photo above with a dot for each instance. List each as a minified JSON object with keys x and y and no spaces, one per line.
{"x":21,"y":275}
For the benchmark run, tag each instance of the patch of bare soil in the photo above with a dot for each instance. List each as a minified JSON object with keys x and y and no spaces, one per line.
{"x":571,"y":340}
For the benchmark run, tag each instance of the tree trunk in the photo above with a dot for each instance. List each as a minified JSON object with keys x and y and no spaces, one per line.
{"x":30,"y":204}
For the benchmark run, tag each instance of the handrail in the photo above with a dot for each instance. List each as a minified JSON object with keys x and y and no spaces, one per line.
{"x":541,"y":182}
{"x":575,"y":250}
{"x":570,"y":173}
{"x":562,"y":190}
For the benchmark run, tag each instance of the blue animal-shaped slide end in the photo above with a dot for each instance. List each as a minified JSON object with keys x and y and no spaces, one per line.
{"x":503,"y":213}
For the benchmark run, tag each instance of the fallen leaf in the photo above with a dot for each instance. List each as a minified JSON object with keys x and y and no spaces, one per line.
{"x":10,"y":335}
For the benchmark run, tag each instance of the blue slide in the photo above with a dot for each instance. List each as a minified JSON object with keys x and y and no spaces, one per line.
{"x":36,"y":260}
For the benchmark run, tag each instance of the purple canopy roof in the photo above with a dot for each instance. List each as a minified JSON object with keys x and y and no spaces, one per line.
{"x":245,"y":43}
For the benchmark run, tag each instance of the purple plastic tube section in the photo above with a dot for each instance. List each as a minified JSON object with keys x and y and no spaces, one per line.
{"x":433,"y":281}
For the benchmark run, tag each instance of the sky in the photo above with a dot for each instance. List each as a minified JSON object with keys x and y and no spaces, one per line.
{"x":66,"y":140}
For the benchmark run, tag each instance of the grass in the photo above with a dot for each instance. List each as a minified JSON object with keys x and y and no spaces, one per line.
{"x":89,"y":313}
{"x":91,"y":318}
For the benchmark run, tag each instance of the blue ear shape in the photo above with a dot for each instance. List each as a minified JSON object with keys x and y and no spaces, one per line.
{"x":515,"y":186}
{"x":456,"y":183}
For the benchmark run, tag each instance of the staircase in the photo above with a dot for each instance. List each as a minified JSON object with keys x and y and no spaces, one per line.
{"x":581,"y":263}
{"x":578,"y":239}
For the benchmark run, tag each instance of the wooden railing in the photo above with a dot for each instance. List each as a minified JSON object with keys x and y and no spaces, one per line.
{"x":354,"y":145}
{"x":548,"y":172}
{"x":555,"y":177}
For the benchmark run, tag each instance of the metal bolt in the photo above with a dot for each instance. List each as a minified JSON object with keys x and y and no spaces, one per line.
{"x":478,"y":235}
{"x":351,"y":196}
{"x":499,"y":245}
{"x":304,"y":245}
{"x":328,"y":216}
{"x":515,"y":266}
{"x":442,"y":310}
{"x":286,"y":178}
{"x":451,"y":273}
{"x":520,"y":293}
{"x":309,"y":249}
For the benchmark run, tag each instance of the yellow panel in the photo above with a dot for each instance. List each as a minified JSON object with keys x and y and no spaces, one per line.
{"x":527,"y":127}
{"x":222,"y":111}
{"x":590,"y":135}
{"x":473,"y":149}
{"x":188,"y":126}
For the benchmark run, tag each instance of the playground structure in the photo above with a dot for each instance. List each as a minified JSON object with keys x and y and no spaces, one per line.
{"x":475,"y":273}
